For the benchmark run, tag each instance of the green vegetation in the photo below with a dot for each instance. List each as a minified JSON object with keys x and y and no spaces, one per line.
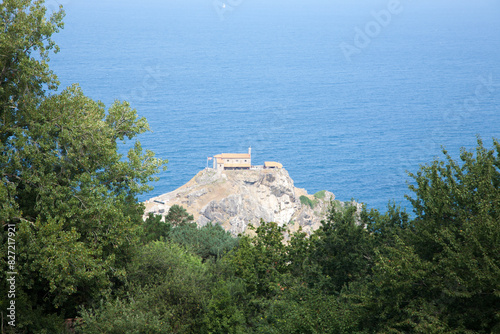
{"x":307,"y":201}
{"x":312,"y":203}
{"x":320,"y":194}
{"x":337,"y":205}
{"x":65,"y":189}
{"x":83,"y":250}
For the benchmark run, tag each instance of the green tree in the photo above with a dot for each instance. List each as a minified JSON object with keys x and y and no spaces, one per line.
{"x":121,"y":316}
{"x":70,"y":194}
{"x":225,"y":310}
{"x":25,"y":44}
{"x":343,"y":248}
{"x":74,"y":198}
{"x":260,"y":260}
{"x":260,"y":263}
{"x":384,"y":227}
{"x":457,"y":227}
{"x":154,"y":228}
{"x":177,"y":216}
{"x":441,"y":274}
{"x":208,"y":242}
{"x":300,"y":260}
{"x":166,"y":292}
{"x":172,"y":283}
{"x":303,"y":310}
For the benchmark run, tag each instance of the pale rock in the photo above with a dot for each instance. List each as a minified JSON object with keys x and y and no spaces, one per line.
{"x":235,"y":199}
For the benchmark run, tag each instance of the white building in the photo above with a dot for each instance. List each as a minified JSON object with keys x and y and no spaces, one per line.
{"x":228,"y":161}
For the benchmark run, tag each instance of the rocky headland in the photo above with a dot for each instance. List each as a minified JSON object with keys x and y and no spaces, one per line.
{"x":237,"y":198}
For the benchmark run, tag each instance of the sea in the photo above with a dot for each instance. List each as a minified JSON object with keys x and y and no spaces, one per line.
{"x":350,"y":96}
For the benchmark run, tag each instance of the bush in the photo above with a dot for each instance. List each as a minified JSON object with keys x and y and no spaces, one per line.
{"x":167,"y":278}
{"x":154,"y":229}
{"x":320,"y":194}
{"x":300,"y":310}
{"x":117,"y":317}
{"x":307,"y":201}
{"x":178,"y":216}
{"x":209,"y":241}
{"x":223,"y":314}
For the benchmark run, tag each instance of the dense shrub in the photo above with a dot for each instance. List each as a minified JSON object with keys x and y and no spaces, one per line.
{"x":209,"y":241}
{"x":118,"y":317}
{"x":307,"y":201}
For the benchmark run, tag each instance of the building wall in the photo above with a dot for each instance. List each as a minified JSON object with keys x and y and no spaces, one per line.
{"x":233,"y":161}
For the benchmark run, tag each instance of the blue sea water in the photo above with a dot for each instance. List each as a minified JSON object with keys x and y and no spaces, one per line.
{"x":347,"y":95}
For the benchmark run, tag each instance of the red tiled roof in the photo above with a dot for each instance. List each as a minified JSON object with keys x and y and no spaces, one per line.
{"x":233,"y":156}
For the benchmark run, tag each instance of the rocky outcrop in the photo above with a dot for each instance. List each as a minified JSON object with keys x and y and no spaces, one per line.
{"x":236,"y":199}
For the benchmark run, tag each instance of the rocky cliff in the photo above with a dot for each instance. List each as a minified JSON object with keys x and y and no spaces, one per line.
{"x":237,"y":198}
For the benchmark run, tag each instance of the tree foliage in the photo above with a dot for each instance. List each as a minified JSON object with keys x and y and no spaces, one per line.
{"x":64,"y":176}
{"x":165,"y":293}
{"x":259,"y":261}
{"x":154,"y":228}
{"x":65,"y":186}
{"x":25,"y":45}
{"x":178,"y":216}
{"x":83,"y":250}
{"x":457,"y":230}
{"x":209,"y":241}
{"x":440,"y":274}
{"x":343,"y":249}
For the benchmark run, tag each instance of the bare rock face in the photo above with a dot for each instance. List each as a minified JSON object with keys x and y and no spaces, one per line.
{"x":238,"y":198}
